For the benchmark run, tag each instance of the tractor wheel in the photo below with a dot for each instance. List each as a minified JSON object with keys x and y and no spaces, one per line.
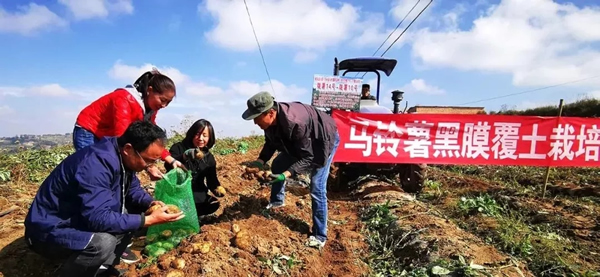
{"x":336,"y":177}
{"x":412,"y":177}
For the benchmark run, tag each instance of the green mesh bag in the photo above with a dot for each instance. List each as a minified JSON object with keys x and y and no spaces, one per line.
{"x":175,"y":188}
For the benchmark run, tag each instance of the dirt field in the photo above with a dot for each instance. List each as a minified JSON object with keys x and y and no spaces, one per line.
{"x":469,"y":221}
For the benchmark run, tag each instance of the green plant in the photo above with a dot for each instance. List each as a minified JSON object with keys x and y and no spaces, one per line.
{"x":4,"y":175}
{"x":481,"y":204}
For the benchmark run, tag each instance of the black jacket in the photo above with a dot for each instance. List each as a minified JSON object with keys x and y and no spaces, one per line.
{"x":302,"y":131}
{"x":204,"y":172}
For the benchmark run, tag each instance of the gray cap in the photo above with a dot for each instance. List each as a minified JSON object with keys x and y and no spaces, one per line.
{"x":258,"y":104}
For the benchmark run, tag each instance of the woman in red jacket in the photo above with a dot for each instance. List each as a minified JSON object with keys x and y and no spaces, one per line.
{"x":112,"y":113}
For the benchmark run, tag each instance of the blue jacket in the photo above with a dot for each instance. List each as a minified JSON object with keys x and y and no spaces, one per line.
{"x":86,"y":194}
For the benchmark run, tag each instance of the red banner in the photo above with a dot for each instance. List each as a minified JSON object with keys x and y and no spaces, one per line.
{"x":468,"y":139}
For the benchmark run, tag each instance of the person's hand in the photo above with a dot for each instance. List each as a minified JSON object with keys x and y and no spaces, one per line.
{"x":257,"y":164}
{"x":177,"y":164}
{"x":160,"y":216}
{"x":219,"y":191}
{"x":154,"y":173}
{"x":274,"y":178}
{"x":193,"y":153}
{"x":156,"y":202}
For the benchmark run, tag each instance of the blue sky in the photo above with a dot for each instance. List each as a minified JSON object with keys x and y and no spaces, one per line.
{"x":59,"y":55}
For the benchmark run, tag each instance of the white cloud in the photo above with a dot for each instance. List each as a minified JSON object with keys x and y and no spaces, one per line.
{"x":538,"y":42}
{"x":130,"y":73}
{"x":89,"y":9}
{"x":53,"y":90}
{"x":401,"y":8}
{"x":223,"y":105}
{"x":307,"y":24}
{"x":374,"y":30}
{"x":183,"y":82}
{"x":225,"y":112}
{"x":305,"y":57}
{"x":420,"y":86}
{"x":30,"y":19}
{"x":50,"y":90}
{"x":11,"y":91}
{"x":6,"y":110}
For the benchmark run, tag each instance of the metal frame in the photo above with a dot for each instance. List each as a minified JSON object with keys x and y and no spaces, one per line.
{"x":376,"y":65}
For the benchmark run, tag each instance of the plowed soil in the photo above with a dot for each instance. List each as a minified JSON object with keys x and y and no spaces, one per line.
{"x":275,"y":239}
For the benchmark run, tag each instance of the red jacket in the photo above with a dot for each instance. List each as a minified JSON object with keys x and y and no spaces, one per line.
{"x":111,"y":114}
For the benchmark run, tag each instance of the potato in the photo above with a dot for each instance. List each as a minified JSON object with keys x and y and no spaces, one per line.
{"x":168,"y":246}
{"x":152,"y":209}
{"x":178,"y":263}
{"x":165,"y":261}
{"x":221,"y":190}
{"x":175,"y":240}
{"x":176,"y":273}
{"x":188,"y":249}
{"x":150,"y":249}
{"x":242,"y":240}
{"x":180,"y":233}
{"x":166,"y":234}
{"x":201,"y":247}
{"x":172,"y":209}
{"x":159,"y":251}
{"x":235,"y":228}
{"x":151,"y":238}
{"x":252,"y":170}
{"x":199,"y":154}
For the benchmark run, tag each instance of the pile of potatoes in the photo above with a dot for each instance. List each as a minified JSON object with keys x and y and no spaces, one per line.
{"x":171,"y":209}
{"x":256,"y":174}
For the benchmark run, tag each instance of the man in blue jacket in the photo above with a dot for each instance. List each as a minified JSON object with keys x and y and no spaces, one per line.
{"x":88,"y":208}
{"x":307,"y":140}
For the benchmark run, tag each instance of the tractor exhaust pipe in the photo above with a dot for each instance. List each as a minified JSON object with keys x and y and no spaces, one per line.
{"x":336,"y":67}
{"x":397,"y":98}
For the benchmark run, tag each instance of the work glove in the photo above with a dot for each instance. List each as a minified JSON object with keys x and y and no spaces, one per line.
{"x":256,"y":164}
{"x":274,"y":178}
{"x":190,"y":154}
{"x":219,"y":191}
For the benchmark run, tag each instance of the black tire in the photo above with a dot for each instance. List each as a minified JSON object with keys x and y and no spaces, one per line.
{"x":412,"y":177}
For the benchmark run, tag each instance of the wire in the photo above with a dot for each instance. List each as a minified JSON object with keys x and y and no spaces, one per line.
{"x":259,"y":48}
{"x":397,"y":26}
{"x":403,"y":31}
{"x":389,"y":47}
{"x":392,"y":32}
{"x":529,"y":91}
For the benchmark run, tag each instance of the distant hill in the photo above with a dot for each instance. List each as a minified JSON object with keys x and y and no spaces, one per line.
{"x":582,"y":108}
{"x":12,"y":144}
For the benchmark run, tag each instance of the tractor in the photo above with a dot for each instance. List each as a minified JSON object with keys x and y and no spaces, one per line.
{"x":410,"y":176}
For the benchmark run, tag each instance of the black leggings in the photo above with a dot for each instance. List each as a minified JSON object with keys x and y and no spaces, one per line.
{"x":206,"y":204}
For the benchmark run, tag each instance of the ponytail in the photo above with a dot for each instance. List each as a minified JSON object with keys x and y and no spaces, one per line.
{"x":154,"y":79}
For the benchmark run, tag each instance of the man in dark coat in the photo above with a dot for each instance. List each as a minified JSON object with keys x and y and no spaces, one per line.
{"x":307,"y":140}
{"x":366,"y":93}
{"x":90,"y":205}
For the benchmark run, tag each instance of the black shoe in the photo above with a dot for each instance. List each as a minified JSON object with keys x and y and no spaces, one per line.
{"x":129,"y":257}
{"x":111,"y":272}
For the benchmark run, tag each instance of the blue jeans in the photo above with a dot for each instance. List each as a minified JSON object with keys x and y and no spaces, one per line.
{"x":83,"y":138}
{"x":318,"y":189}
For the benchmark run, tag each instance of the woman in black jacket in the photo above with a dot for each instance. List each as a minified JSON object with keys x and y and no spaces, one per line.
{"x":194,"y":152}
